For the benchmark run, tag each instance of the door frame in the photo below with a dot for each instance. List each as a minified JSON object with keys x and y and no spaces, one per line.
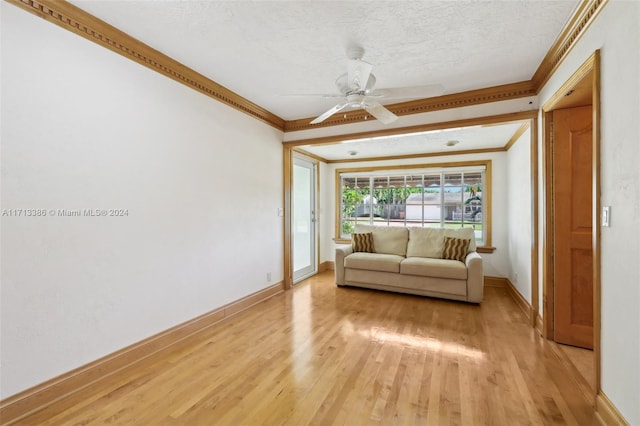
{"x":314,"y":223}
{"x":288,"y":154}
{"x":587,"y":74}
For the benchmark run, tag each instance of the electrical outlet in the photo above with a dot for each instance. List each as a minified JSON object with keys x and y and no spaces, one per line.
{"x":516,"y":277}
{"x":268,"y":277}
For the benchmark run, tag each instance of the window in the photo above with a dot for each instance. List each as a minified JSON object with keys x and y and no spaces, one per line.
{"x":441,"y":196}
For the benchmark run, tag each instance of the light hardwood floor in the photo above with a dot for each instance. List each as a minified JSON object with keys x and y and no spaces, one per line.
{"x":583,"y":362}
{"x":324,"y":355}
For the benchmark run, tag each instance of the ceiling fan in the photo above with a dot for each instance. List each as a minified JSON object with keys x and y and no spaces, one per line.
{"x":357,"y":89}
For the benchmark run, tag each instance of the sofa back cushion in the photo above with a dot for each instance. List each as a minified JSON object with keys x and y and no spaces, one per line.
{"x":425,"y":242}
{"x":387,"y":240}
{"x":429,"y":242}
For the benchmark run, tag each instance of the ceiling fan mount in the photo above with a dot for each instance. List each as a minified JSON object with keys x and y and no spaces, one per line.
{"x":355,"y":52}
{"x":357,"y":88}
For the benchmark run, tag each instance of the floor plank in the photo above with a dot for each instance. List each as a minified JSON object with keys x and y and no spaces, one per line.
{"x":327,"y":355}
{"x":583,"y":360}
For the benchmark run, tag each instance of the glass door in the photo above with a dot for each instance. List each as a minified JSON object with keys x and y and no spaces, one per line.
{"x":304,"y":219}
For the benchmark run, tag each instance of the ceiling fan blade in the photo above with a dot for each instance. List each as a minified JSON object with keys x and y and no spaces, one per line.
{"x":313,"y":95}
{"x":359,"y":72}
{"x":329,"y":113}
{"x":411,"y":92}
{"x":380,"y":112}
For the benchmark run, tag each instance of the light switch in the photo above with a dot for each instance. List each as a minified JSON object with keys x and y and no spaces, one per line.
{"x":606,"y":215}
{"x":280,"y":211}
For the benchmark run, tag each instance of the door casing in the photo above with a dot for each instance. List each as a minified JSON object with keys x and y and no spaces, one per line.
{"x":288,"y":153}
{"x":584,"y":83}
{"x":312,"y":269}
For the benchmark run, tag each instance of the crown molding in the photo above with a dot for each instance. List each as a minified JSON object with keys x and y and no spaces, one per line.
{"x":487,"y":120}
{"x":523,"y":128}
{"x":525,"y":116}
{"x":76,"y":20}
{"x":583,"y":16}
{"x":417,"y":156}
{"x":454,"y":100}
{"x":310,"y":155}
{"x":577,"y":25}
{"x":398,"y":157}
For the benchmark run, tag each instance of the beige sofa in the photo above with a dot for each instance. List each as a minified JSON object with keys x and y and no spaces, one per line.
{"x":409,"y":260}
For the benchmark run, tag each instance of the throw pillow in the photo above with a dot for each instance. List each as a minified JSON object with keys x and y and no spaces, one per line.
{"x":363,"y":242}
{"x":455,"y":248}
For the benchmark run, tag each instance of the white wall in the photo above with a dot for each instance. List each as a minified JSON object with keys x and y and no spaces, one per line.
{"x":615,"y":32}
{"x":84,"y":128}
{"x":495,"y":264}
{"x":519,"y":214}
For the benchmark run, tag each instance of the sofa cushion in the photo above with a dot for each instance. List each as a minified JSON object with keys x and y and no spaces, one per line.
{"x":436,"y":268}
{"x":387,"y":240}
{"x":363,"y":242}
{"x":374,"y":262}
{"x":455,"y":248}
{"x":425,"y":242}
{"x":429,"y":242}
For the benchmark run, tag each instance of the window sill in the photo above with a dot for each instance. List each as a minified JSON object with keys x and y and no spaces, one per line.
{"x":480,"y":249}
{"x":485,"y":249}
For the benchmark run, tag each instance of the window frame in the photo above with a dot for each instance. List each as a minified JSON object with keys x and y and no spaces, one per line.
{"x":420,"y":169}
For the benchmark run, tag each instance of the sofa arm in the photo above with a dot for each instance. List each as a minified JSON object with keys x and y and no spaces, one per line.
{"x":475,"y":277}
{"x":341,"y":253}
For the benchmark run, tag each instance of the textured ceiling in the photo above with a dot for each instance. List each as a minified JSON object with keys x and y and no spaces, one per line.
{"x":263,"y":50}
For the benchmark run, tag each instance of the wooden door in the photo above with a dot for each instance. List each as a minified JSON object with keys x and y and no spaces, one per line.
{"x":573,"y":253}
